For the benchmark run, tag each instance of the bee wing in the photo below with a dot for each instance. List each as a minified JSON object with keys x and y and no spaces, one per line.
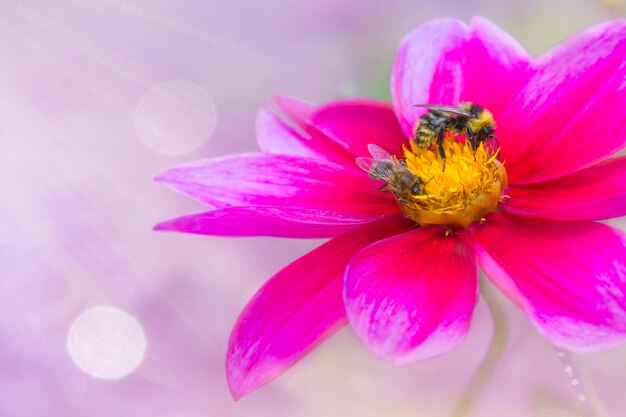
{"x":446,"y":109}
{"x":365,"y":163}
{"x":376,"y":170}
{"x":377,"y":152}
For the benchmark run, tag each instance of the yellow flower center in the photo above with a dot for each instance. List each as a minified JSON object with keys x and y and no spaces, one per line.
{"x":465,"y":191}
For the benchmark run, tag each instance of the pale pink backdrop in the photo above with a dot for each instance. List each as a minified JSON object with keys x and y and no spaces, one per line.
{"x":101,"y":316}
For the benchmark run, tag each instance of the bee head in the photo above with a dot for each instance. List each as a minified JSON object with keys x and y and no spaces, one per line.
{"x":487,"y":132}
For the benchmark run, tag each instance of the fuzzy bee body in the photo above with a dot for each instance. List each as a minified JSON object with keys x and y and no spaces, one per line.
{"x":468,"y":119}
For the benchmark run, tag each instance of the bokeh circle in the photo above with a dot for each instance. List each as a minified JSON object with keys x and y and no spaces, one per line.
{"x":107,"y":342}
{"x":175,"y":117}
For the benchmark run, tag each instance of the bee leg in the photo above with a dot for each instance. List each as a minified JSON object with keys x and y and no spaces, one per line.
{"x":440,"y":135}
{"x":495,"y":140}
{"x":472,"y":138}
{"x":400,"y":198}
{"x":382,"y":188}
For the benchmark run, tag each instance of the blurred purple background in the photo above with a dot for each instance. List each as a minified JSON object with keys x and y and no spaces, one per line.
{"x":101,"y":316}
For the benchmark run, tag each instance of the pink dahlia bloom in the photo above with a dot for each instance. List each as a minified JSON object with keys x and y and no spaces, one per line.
{"x":407,"y":284}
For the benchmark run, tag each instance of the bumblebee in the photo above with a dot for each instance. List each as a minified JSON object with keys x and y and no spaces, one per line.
{"x":399,"y":179}
{"x":468,"y":119}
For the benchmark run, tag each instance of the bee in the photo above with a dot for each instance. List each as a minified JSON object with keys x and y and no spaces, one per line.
{"x":468,"y":119}
{"x":399,"y":179}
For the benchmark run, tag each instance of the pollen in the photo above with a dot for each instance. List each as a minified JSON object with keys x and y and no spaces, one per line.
{"x":459,"y":190}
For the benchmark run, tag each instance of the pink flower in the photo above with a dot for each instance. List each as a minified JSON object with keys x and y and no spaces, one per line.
{"x":409,"y":291}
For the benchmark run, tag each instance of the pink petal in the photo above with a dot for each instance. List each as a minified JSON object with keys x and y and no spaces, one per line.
{"x":570,"y":278}
{"x":296,"y":309}
{"x":495,"y":68}
{"x":268,"y":221}
{"x":446,"y":62}
{"x":277,"y":137}
{"x":298,"y":111}
{"x":279,"y":180}
{"x":428,"y":69}
{"x":355,"y":123}
{"x":570,"y":114}
{"x":597,"y":192}
{"x":411,"y":297}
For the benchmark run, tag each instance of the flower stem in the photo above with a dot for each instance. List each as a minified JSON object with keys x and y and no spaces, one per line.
{"x":494,"y":353}
{"x":586,"y":400}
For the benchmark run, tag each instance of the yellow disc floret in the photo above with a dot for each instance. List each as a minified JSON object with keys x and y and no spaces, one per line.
{"x":457,"y":191}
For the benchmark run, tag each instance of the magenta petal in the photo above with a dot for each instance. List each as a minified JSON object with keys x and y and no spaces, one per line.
{"x":428,"y":69}
{"x":355,"y":123}
{"x":275,"y":136}
{"x":279,"y":180}
{"x":446,"y":62}
{"x":296,"y":309}
{"x":268,"y":221}
{"x":411,"y":297}
{"x":495,"y":68}
{"x":298,"y":111}
{"x":570,"y":114}
{"x":570,"y":278}
{"x":597,"y":192}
